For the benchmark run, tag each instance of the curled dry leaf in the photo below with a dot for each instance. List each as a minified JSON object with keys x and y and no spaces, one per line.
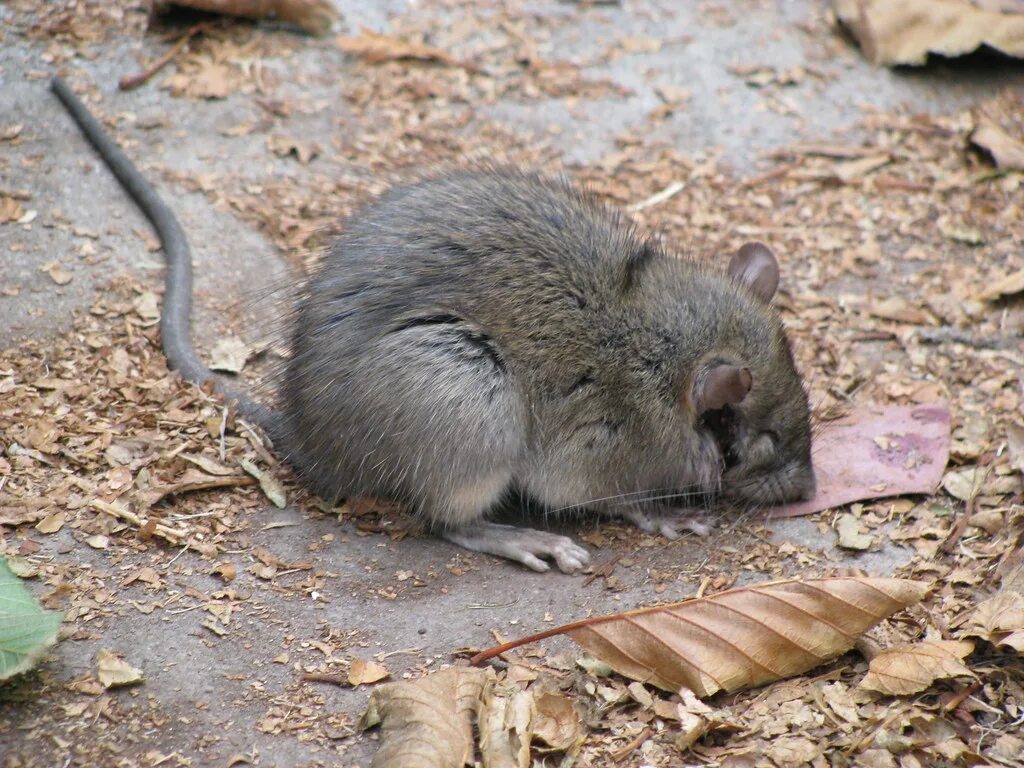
{"x":1000,"y":620}
{"x":427,"y":722}
{"x":912,"y":667}
{"x":739,"y":638}
{"x":556,"y":721}
{"x":114,"y":672}
{"x":906,"y":32}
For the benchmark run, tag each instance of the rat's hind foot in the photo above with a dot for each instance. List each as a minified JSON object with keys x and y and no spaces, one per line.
{"x":670,"y":522}
{"x":524,"y":545}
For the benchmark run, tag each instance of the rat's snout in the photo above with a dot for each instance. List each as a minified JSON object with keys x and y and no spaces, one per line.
{"x":794,"y":481}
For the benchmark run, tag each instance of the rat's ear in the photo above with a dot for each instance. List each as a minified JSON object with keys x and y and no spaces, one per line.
{"x":755,"y":266}
{"x":721,"y":386}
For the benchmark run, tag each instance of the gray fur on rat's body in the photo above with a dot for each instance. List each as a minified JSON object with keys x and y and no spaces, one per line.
{"x":493,"y":331}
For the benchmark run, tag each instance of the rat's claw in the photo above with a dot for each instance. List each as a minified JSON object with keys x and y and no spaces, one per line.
{"x":669,"y":523}
{"x":524,"y":545}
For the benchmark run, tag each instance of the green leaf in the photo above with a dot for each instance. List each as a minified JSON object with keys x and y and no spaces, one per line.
{"x":26,"y":630}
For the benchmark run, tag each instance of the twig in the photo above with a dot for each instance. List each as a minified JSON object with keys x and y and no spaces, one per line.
{"x":163,"y":531}
{"x":128,"y":82}
{"x":774,"y":173}
{"x":324,"y":677}
{"x":625,"y":752}
{"x":671,"y":190}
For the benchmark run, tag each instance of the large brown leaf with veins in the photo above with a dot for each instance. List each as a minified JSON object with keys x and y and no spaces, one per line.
{"x":739,"y":638}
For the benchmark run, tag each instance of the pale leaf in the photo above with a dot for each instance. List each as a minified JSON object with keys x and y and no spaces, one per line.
{"x":366,"y":672}
{"x":428,"y":723}
{"x":114,"y":672}
{"x":505,"y":727}
{"x":912,"y":667}
{"x":229,"y":355}
{"x":270,"y":486}
{"x":907,"y":31}
{"x":739,"y":638}
{"x":556,"y":721}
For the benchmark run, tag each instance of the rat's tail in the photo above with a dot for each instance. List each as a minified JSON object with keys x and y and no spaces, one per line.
{"x":175,"y":319}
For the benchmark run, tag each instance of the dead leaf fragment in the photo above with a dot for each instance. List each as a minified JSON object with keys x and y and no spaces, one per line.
{"x":906,"y":32}
{"x":1015,"y":444}
{"x":505,"y":726}
{"x":738,"y":638}
{"x":375,"y":48}
{"x":850,"y":536}
{"x":366,"y":672}
{"x":913,"y":667}
{"x":229,"y":355}
{"x":1000,"y":620}
{"x":57,"y":273}
{"x":52,"y":522}
{"x":556,"y":721}
{"x":427,"y":722}
{"x":1006,"y":150}
{"x":1003,"y":286}
{"x":283,"y":146}
{"x":115,"y":672}
{"x":268,"y":484}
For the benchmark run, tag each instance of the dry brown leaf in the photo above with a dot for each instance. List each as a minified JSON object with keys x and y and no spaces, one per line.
{"x":906,"y":32}
{"x":1003,"y":286}
{"x":739,"y":638}
{"x":1006,"y":150}
{"x":375,"y":48}
{"x":114,"y":672}
{"x":10,"y":210}
{"x":366,"y":672}
{"x":57,"y":273}
{"x":314,"y":16}
{"x":427,"y":722}
{"x":1000,"y":620}
{"x":505,"y":727}
{"x":556,"y":721}
{"x":913,"y":667}
{"x":52,"y":522}
{"x":268,"y":484}
{"x":1015,"y":445}
{"x":229,"y":354}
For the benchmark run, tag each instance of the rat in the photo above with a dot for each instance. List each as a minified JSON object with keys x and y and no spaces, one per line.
{"x":496,"y":332}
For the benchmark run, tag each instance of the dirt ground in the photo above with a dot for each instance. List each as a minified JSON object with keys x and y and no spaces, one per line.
{"x":761,"y":119}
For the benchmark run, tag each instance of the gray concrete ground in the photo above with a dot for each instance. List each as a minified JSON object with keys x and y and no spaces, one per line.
{"x":204,"y":684}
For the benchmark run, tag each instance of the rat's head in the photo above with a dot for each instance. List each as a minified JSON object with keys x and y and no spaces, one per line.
{"x":750,"y":399}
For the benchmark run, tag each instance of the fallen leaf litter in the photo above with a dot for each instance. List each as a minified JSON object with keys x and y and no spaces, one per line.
{"x":100,"y":440}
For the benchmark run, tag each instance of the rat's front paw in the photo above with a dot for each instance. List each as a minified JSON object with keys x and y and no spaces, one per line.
{"x":524,"y":545}
{"x":669,"y":523}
